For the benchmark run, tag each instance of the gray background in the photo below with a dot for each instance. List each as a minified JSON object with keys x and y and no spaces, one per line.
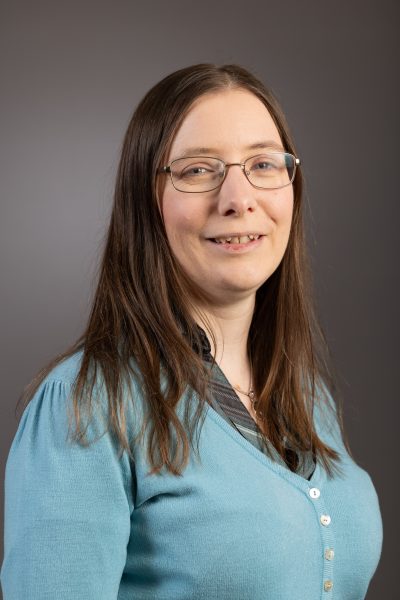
{"x":71,"y":75}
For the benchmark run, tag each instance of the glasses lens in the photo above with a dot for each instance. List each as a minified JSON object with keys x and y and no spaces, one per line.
{"x":197,"y":174}
{"x":272,"y":170}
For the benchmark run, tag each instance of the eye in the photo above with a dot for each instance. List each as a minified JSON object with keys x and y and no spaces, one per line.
{"x":195,"y":170}
{"x":266,"y":165}
{"x":263,"y":165}
{"x":189,"y":170}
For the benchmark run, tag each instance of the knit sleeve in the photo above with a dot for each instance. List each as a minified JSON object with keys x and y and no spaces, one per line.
{"x":67,"y":508}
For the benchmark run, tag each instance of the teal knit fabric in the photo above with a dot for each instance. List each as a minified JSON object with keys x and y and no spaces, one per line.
{"x":83,"y":524}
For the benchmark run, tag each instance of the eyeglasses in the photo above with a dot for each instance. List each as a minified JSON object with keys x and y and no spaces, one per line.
{"x":268,"y":171}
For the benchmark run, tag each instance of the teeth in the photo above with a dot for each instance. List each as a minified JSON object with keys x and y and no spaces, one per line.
{"x":237,"y":240}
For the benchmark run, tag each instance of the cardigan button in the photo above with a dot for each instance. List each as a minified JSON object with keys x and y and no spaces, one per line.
{"x":328,"y":585}
{"x":329,"y":554}
{"x":314,"y":493}
{"x":325,"y":520}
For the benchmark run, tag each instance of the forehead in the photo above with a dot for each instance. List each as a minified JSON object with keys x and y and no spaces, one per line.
{"x":225,"y":123}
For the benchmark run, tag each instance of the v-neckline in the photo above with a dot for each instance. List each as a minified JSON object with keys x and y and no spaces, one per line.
{"x":220,"y":377}
{"x":317,"y":478}
{"x":245,"y":420}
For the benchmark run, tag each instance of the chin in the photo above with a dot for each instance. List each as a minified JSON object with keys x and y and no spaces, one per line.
{"x":227,"y":291}
{"x":245,"y":281}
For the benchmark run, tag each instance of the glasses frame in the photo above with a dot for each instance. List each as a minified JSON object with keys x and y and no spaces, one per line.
{"x":296,"y":160}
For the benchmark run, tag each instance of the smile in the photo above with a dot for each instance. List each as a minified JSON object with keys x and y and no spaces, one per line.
{"x":244,"y":239}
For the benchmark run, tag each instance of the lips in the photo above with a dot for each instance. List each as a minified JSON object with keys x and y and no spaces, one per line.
{"x":236,"y":239}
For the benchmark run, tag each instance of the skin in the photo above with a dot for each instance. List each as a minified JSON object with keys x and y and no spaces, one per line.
{"x":228,"y":123}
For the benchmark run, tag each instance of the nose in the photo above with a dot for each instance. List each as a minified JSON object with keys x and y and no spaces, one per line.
{"x":236,"y":196}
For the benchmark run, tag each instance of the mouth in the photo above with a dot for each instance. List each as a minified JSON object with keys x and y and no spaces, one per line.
{"x":236,"y":239}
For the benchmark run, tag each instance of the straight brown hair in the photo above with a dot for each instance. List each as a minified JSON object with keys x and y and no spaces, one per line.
{"x":141,"y":325}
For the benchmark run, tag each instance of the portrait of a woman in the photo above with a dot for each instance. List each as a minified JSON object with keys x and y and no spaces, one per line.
{"x":189,"y":445}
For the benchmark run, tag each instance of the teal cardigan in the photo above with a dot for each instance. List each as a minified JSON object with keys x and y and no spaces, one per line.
{"x":83,"y":524}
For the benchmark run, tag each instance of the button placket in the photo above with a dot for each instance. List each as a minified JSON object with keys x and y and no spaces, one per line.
{"x":315,"y":496}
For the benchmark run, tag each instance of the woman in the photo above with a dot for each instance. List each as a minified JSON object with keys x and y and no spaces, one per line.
{"x":206,"y":457}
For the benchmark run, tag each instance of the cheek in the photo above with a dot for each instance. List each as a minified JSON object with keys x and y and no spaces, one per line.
{"x":182,"y":216}
{"x":178,"y":224}
{"x":280,"y":207}
{"x":170,"y":213}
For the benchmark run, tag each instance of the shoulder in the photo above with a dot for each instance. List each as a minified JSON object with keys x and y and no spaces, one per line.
{"x":55,"y":389}
{"x":67,"y":370}
{"x":48,"y":403}
{"x":58,"y":397}
{"x":58,"y":419}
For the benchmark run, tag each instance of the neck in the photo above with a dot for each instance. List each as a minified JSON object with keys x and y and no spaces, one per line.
{"x":230,"y":326}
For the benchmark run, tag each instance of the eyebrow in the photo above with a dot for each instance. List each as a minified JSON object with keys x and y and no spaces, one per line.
{"x":204,"y":151}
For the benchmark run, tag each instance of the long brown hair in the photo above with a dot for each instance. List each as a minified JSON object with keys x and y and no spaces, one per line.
{"x":142,"y":306}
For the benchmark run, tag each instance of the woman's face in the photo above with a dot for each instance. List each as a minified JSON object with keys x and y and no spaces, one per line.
{"x":232,"y":125}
